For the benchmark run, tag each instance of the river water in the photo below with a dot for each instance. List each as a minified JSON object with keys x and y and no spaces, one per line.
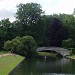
{"x":44,"y":66}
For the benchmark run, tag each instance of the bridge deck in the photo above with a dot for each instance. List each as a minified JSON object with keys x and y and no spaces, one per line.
{"x":59,"y":50}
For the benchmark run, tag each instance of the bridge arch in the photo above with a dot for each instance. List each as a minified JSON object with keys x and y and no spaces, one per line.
{"x":63,"y":52}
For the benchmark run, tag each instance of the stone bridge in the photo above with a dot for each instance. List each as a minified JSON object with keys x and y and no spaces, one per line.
{"x":61,"y":51}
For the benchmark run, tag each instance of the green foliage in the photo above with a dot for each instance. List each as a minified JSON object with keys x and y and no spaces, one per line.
{"x":28,"y":16}
{"x":29,"y":45}
{"x":55,"y":33}
{"x":7,"y":45}
{"x":25,"y":46}
{"x":30,"y":20}
{"x":28,"y":13}
{"x":68,"y":24}
{"x":14,"y":44}
{"x":4,"y":31}
{"x":69,"y":43}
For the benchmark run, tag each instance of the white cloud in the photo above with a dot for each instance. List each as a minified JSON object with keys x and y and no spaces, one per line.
{"x":63,"y":6}
{"x":6,"y":14}
{"x":8,"y":7}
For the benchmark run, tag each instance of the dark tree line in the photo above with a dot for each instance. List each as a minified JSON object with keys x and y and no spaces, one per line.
{"x":55,"y":33}
{"x":47,"y":30}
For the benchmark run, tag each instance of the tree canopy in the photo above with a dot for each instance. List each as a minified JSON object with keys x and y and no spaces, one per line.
{"x":55,"y":33}
{"x":47,"y":30}
{"x":25,"y":46}
{"x":28,"y":13}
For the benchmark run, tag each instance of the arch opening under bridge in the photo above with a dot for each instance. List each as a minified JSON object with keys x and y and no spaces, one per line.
{"x":62,"y":51}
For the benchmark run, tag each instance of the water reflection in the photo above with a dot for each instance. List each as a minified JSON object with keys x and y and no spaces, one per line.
{"x":45,"y":67}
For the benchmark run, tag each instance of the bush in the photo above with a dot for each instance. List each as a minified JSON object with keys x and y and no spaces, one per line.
{"x":72,"y":50}
{"x":29,"y":45}
{"x":15,"y":44}
{"x":69,"y":43}
{"x":25,"y":46}
{"x":7,"y":45}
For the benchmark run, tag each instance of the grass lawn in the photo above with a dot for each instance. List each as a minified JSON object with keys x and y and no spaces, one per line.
{"x":7,"y":63}
{"x":48,"y":54}
{"x":71,"y":56}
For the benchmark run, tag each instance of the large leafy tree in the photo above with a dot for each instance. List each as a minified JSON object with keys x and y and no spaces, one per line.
{"x":29,"y":19}
{"x":54,"y":33}
{"x":5,"y":26}
{"x":6,"y":29}
{"x":25,"y":46}
{"x":28,"y":13}
{"x":69,"y":24}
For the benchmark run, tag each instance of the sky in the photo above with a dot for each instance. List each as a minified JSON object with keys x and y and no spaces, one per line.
{"x":8,"y":7}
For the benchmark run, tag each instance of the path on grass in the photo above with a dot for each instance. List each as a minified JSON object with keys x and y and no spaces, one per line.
{"x":7,"y":54}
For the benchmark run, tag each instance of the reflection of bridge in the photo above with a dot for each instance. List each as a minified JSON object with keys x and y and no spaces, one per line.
{"x":59,"y":50}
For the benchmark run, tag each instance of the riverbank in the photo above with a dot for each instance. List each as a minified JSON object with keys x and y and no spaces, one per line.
{"x":53,"y":55}
{"x":48,"y":55}
{"x":7,"y":63}
{"x":72,"y":57}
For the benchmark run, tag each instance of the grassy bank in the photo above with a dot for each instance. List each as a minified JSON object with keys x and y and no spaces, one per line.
{"x":71,"y":56}
{"x":48,"y":54}
{"x":7,"y":63}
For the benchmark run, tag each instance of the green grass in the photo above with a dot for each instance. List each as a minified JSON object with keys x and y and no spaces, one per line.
{"x":48,"y":54}
{"x":3,"y":52}
{"x":7,"y":63}
{"x":71,"y":56}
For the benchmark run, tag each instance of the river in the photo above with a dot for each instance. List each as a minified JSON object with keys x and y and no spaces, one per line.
{"x":44,"y":66}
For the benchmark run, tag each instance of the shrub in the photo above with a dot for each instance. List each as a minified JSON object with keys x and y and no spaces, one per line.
{"x":29,"y":45}
{"x":7,"y":45}
{"x":69,"y":43}
{"x":25,"y":46}
{"x":15,"y":44}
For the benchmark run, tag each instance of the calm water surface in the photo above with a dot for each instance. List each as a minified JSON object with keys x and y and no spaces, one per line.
{"x":45,"y":67}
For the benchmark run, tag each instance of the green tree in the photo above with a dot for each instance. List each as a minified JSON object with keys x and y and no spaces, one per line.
{"x":68,"y":43}
{"x":7,"y":45}
{"x":15,"y":44}
{"x":38,"y":31}
{"x":6,"y":29}
{"x":55,"y":33}
{"x":25,"y":46}
{"x":28,"y":13}
{"x":68,"y":24}
{"x":5,"y":25}
{"x":29,"y":45}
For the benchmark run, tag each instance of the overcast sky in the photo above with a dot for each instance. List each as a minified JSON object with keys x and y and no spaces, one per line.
{"x":8,"y":7}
